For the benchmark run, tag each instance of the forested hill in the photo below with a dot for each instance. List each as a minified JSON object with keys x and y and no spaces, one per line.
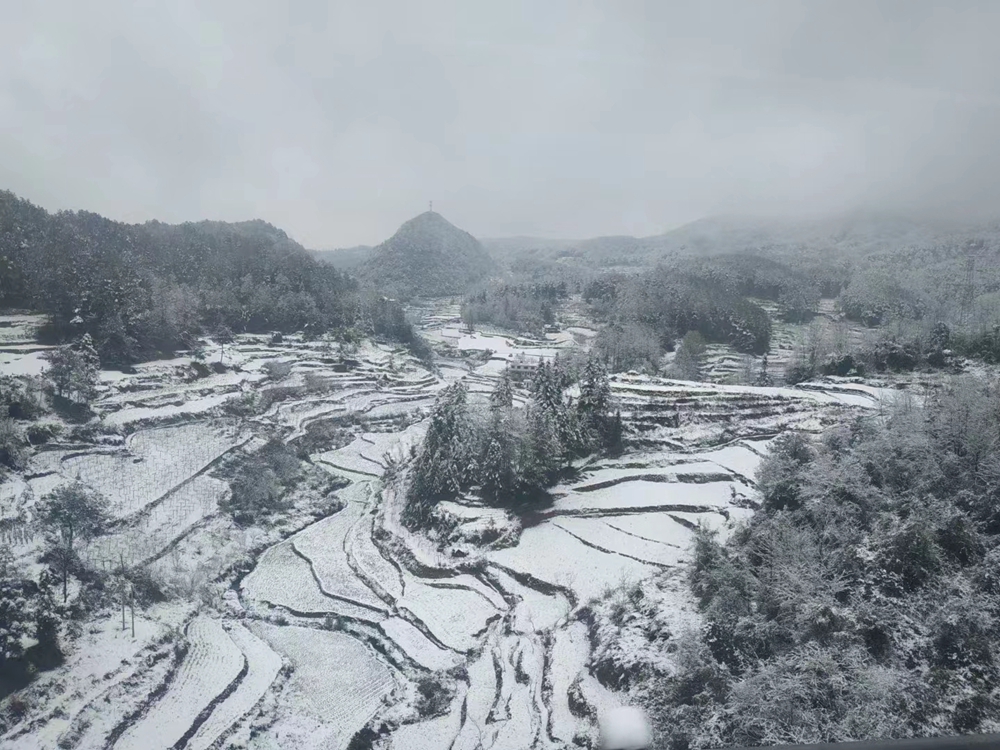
{"x":142,"y":289}
{"x":428,"y":257}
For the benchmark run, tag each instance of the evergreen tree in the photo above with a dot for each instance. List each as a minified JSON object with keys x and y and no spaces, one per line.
{"x":497,"y":475}
{"x":503,"y":395}
{"x":594,"y":405}
{"x":543,"y":454}
{"x":438,"y":472}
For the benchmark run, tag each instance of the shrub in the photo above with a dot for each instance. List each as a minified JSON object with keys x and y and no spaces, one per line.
{"x":39,"y":434}
{"x":12,"y":452}
{"x":277,"y":370}
{"x":433,"y":697}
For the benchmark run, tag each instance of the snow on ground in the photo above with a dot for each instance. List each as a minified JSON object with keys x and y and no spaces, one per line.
{"x":263,"y":665}
{"x":456,"y":616}
{"x":336,"y":685}
{"x":380,"y":574}
{"x":599,"y":534}
{"x":211,"y":664}
{"x":417,"y":646}
{"x":323,"y":545}
{"x":165,"y":521}
{"x":660,"y":528}
{"x":693,"y":449}
{"x":284,"y":579}
{"x":157,"y":461}
{"x":535,"y":611}
{"x":642,"y":494}
{"x":434,"y":734}
{"x":570,"y":652}
{"x":549,"y":553}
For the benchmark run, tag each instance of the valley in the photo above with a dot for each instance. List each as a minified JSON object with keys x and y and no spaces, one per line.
{"x":334,"y":625}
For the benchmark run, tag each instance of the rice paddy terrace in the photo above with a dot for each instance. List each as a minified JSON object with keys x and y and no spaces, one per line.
{"x":302,"y":634}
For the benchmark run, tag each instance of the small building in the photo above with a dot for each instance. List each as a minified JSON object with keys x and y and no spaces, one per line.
{"x":523,"y":366}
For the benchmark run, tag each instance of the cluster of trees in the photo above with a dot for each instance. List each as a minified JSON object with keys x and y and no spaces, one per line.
{"x":875,"y":296}
{"x":861,"y":601}
{"x":139,"y":290}
{"x":519,"y":307}
{"x":752,"y":275}
{"x":259,"y":486}
{"x":510,"y":454}
{"x":904,"y":347}
{"x":647,"y":314}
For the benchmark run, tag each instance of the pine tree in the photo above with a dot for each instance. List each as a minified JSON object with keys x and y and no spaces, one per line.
{"x":542,"y":457}
{"x":594,"y":404}
{"x":443,"y":465}
{"x":503,"y":394}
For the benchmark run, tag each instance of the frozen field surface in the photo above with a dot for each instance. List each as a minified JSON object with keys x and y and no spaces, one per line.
{"x":211,"y":664}
{"x":337,"y":684}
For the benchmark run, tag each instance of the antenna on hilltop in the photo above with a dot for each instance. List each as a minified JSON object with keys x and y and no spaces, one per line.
{"x":430,"y":207}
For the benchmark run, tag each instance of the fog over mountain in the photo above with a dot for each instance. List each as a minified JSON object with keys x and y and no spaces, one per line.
{"x":337,"y":122}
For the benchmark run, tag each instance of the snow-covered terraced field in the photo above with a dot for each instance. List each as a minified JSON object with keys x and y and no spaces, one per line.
{"x":336,"y":686}
{"x":212,"y":665}
{"x":263,"y":665}
{"x":359,"y":608}
{"x":284,"y":579}
{"x":157,"y":462}
{"x":323,"y":545}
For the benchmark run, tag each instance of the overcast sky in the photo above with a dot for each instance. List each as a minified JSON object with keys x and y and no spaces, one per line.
{"x":339,"y":120}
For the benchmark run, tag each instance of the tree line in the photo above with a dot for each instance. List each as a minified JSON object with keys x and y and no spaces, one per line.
{"x":646,"y":315}
{"x":518,"y":307}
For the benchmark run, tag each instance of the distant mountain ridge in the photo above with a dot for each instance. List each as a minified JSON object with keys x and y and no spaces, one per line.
{"x":428,"y":256}
{"x":345,"y":259}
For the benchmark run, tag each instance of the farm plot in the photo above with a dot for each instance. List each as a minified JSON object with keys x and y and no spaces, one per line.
{"x":336,"y":686}
{"x":660,"y":528}
{"x":570,"y":652}
{"x":284,"y":579}
{"x":373,"y":567}
{"x":154,"y":530}
{"x":687,"y":472}
{"x":480,"y":699}
{"x":263,"y":666}
{"x":457,"y":616}
{"x":323,"y":544}
{"x":211,"y":665}
{"x":535,"y":611}
{"x":645,"y":495}
{"x":552,"y":555}
{"x":161,"y":459}
{"x":739,"y":459}
{"x":349,"y":458}
{"x":417,"y":646}
{"x":603,"y":536}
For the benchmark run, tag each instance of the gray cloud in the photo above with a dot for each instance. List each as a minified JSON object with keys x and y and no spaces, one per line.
{"x":337,"y":121}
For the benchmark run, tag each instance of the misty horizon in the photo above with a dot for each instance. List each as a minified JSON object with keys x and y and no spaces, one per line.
{"x":337,"y":124}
